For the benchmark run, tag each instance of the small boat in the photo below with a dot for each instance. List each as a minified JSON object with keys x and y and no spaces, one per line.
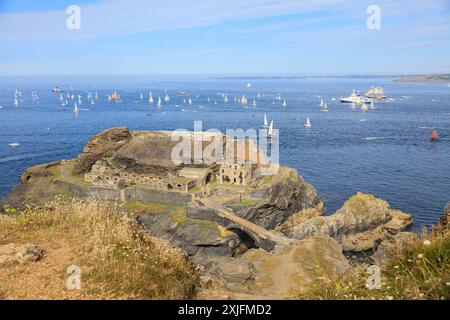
{"x":142,"y":96}
{"x":166,"y":98}
{"x":190,"y":101}
{"x":248,"y":85}
{"x":259,"y":95}
{"x":150,"y":99}
{"x":364,"y":107}
{"x":182,"y":93}
{"x":308,"y":123}
{"x":284,"y":103}
{"x":434,"y":135}
{"x":254,"y":103}
{"x":79,"y":99}
{"x":266,"y":123}
{"x":14,"y":144}
{"x":159,"y":101}
{"x":321,"y":102}
{"x":60,"y":97}
{"x":225,"y":99}
{"x":57,"y":90}
{"x":16,"y":103}
{"x":75,"y":109}
{"x":325,"y":107}
{"x":96,"y":96}
{"x":270,"y":130}
{"x":244,"y":100}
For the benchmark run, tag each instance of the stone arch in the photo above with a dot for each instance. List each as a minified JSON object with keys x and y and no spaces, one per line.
{"x":249,"y":240}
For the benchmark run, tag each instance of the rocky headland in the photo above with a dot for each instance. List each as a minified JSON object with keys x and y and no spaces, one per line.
{"x":257,"y":238}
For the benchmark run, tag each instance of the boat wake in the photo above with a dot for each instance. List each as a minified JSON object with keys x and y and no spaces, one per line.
{"x":378,"y":138}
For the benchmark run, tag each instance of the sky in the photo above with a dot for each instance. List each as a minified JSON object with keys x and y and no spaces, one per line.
{"x":227,"y":37}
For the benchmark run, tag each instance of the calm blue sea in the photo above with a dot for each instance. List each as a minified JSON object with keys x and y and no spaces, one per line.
{"x":386,"y":151}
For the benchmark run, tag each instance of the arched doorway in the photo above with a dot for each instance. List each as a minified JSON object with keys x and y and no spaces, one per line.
{"x":208,"y":178}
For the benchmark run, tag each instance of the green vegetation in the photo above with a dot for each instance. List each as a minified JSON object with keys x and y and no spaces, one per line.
{"x":118,"y":259}
{"x":417,"y":271}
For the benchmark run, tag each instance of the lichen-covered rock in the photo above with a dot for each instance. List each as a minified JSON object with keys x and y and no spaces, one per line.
{"x":101,"y":145}
{"x":195,"y":236}
{"x":276,"y":275}
{"x":12,"y":254}
{"x":362,"y":221}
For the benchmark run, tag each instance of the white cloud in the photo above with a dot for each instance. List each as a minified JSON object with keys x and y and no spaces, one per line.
{"x":119,"y":17}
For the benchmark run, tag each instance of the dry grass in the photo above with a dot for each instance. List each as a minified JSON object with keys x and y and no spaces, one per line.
{"x":419,"y":271}
{"x":117,"y":258}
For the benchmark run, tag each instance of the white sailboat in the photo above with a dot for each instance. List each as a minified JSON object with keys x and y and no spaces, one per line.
{"x":209,"y":100}
{"x":16,"y":103}
{"x":159,"y":102}
{"x":96,"y":96}
{"x":284,"y":103}
{"x":244,"y":100}
{"x":325,"y":107}
{"x":266,"y":123}
{"x":75,"y":109}
{"x":321,"y":102}
{"x":248,"y":85}
{"x":308,"y":123}
{"x":254,"y":103}
{"x":259,"y":95}
{"x":270,"y":130}
{"x":14,"y":144}
{"x":190,"y":101}
{"x":79,"y":99}
{"x":225,"y":99}
{"x":60,"y":97}
{"x":166,"y":98}
{"x":364,"y":107}
{"x":150,"y":99}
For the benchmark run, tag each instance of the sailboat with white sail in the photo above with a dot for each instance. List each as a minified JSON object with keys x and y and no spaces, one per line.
{"x":75,"y":109}
{"x":266,"y":123}
{"x":308,"y":123}
{"x":325,"y":107}
{"x":284,"y":103}
{"x":270,"y":130}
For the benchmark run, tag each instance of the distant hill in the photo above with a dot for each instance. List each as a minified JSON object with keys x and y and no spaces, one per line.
{"x":424,"y":78}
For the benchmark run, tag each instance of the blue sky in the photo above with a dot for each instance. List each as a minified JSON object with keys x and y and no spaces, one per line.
{"x":235,"y":37}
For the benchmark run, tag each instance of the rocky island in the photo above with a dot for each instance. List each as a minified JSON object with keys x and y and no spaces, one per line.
{"x":245,"y":235}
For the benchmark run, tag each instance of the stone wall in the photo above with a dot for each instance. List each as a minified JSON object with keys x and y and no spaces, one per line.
{"x":162,"y":196}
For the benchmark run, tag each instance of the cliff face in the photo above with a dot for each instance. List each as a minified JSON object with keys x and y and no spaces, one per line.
{"x":277,"y":198}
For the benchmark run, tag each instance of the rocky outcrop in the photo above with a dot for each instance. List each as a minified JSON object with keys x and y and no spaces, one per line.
{"x":445,"y":219}
{"x":101,"y":145}
{"x":12,"y":254}
{"x":195,"y":236}
{"x":265,"y":275}
{"x":359,"y":225}
{"x":283,"y":195}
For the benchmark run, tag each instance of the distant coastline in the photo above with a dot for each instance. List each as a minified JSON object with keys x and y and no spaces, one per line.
{"x":424,"y":78}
